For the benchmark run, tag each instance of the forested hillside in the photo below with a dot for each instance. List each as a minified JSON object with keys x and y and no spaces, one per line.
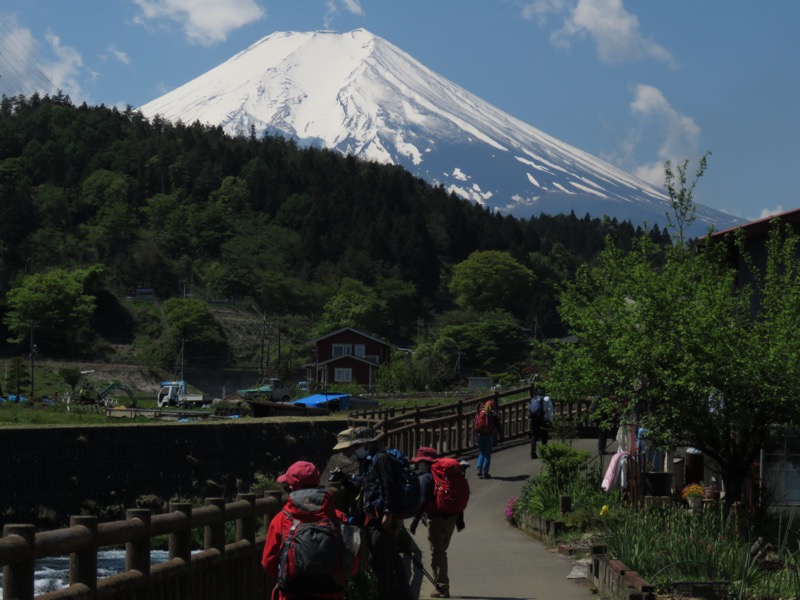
{"x":315,"y":238}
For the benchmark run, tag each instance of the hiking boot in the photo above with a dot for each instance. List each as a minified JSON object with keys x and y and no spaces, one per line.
{"x":445,"y":593}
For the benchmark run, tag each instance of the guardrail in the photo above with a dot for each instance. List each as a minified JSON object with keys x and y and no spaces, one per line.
{"x":449,"y":427}
{"x":222,"y":569}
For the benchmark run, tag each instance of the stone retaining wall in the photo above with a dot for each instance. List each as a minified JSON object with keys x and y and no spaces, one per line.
{"x":48,"y":474}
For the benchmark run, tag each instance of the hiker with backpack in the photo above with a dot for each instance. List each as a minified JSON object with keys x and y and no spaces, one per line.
{"x":540,"y":410}
{"x":444,"y":493}
{"x":487,"y":429}
{"x":310,"y":549}
{"x":390,"y":494}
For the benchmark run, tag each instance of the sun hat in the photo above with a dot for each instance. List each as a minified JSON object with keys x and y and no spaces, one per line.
{"x":427,"y":454}
{"x":301,"y":474}
{"x":362,"y":435}
{"x":344,"y":439}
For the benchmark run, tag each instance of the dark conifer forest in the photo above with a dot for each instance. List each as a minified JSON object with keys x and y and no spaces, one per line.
{"x":262,"y":223}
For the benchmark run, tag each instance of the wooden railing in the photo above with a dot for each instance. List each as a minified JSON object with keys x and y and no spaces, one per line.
{"x":229,"y":570}
{"x":449,"y":427}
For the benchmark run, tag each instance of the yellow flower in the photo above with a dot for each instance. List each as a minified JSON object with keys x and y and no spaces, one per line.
{"x":604,"y":510}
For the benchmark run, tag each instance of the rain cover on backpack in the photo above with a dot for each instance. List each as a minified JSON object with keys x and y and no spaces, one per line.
{"x":450,"y":487}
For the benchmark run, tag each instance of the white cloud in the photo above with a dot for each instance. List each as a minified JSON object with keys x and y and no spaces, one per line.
{"x":332,"y":7}
{"x":353,"y":6}
{"x":615,"y":31}
{"x":28,"y":68}
{"x":117,"y":54}
{"x":204,"y":22}
{"x":65,"y":69}
{"x":770,"y":212}
{"x":679,"y":133}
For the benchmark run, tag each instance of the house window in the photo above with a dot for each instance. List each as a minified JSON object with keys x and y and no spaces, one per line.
{"x":342,"y":349}
{"x":343,"y":375}
{"x":361,"y":350}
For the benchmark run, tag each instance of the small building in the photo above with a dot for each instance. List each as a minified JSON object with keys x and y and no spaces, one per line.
{"x":348,"y":356}
{"x":779,"y":465}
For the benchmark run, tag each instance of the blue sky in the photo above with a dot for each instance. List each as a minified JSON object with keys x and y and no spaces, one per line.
{"x":632,"y":82}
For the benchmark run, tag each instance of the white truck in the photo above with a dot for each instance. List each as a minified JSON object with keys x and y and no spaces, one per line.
{"x":173,"y":393}
{"x":273,"y":389}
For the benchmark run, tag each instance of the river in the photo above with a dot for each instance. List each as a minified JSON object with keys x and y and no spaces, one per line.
{"x":53,"y":573}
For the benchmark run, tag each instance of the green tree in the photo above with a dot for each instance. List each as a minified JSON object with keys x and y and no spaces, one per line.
{"x":354,"y":305}
{"x":56,"y":304}
{"x":71,"y":377}
{"x":492,"y":279}
{"x":18,"y":376}
{"x":703,"y":362}
{"x":190,"y":319}
{"x":487,"y":341}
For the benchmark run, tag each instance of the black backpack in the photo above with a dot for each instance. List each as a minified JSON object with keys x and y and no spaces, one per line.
{"x":407,"y":492}
{"x":538,"y":411}
{"x":314,"y":558}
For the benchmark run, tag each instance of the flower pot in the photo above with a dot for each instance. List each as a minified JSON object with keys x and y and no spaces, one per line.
{"x":694,"y":501}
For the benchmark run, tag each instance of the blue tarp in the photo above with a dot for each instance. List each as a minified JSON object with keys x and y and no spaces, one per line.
{"x":13,"y":398}
{"x":323,"y":400}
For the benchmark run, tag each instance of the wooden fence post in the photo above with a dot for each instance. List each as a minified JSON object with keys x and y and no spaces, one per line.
{"x":83,"y":564}
{"x":214,"y":538}
{"x":18,"y":577}
{"x":246,"y":531}
{"x":460,"y":433}
{"x":137,"y":551}
{"x":180,"y":547}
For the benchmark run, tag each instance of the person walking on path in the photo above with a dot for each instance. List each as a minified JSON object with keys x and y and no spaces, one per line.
{"x":540,"y":410}
{"x":382,"y":527}
{"x":441,"y":524}
{"x":330,"y":551}
{"x":487,"y":428}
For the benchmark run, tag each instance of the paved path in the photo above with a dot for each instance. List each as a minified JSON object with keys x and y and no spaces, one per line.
{"x":490,"y":559}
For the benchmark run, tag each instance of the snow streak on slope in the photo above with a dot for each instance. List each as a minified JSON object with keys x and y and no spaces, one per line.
{"x":359,"y":94}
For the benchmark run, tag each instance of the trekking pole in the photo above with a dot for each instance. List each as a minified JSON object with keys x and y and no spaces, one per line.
{"x":406,"y":549}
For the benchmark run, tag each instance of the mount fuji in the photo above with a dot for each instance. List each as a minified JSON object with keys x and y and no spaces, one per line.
{"x":359,"y":94}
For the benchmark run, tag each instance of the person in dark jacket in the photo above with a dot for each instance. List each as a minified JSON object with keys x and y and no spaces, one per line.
{"x":540,"y":410}
{"x":381,"y":527}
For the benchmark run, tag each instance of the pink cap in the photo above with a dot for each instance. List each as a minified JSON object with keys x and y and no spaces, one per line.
{"x":301,"y":474}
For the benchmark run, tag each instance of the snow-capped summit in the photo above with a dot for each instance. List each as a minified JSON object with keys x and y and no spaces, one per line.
{"x":359,"y":94}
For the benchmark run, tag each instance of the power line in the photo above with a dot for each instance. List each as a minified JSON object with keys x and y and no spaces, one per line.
{"x":21,"y":72}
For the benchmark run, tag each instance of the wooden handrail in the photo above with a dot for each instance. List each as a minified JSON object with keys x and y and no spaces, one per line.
{"x":449,"y":427}
{"x":221,"y":570}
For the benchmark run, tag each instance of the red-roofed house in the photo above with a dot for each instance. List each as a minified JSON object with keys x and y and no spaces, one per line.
{"x":348,"y":356}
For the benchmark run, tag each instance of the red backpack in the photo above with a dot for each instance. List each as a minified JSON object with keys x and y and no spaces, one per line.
{"x":450,"y":487}
{"x":483,"y":423}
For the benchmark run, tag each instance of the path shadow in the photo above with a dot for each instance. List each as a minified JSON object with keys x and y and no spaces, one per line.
{"x":512,"y":478}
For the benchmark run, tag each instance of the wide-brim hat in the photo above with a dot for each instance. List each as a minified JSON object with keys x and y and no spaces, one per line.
{"x":363,"y":435}
{"x":425,"y":453}
{"x":344,"y":439}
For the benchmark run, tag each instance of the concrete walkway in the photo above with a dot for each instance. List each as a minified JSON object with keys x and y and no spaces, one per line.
{"x":490,"y":559}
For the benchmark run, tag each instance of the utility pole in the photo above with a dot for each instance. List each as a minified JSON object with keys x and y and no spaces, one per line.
{"x":262,"y":372}
{"x":33,"y":363}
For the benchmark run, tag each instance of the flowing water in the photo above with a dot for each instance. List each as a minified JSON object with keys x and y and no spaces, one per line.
{"x":53,"y":573}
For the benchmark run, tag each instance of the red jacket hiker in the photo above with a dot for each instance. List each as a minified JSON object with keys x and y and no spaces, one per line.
{"x":307,"y":506}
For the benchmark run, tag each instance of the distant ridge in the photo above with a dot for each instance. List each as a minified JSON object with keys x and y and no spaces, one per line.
{"x":359,"y":94}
